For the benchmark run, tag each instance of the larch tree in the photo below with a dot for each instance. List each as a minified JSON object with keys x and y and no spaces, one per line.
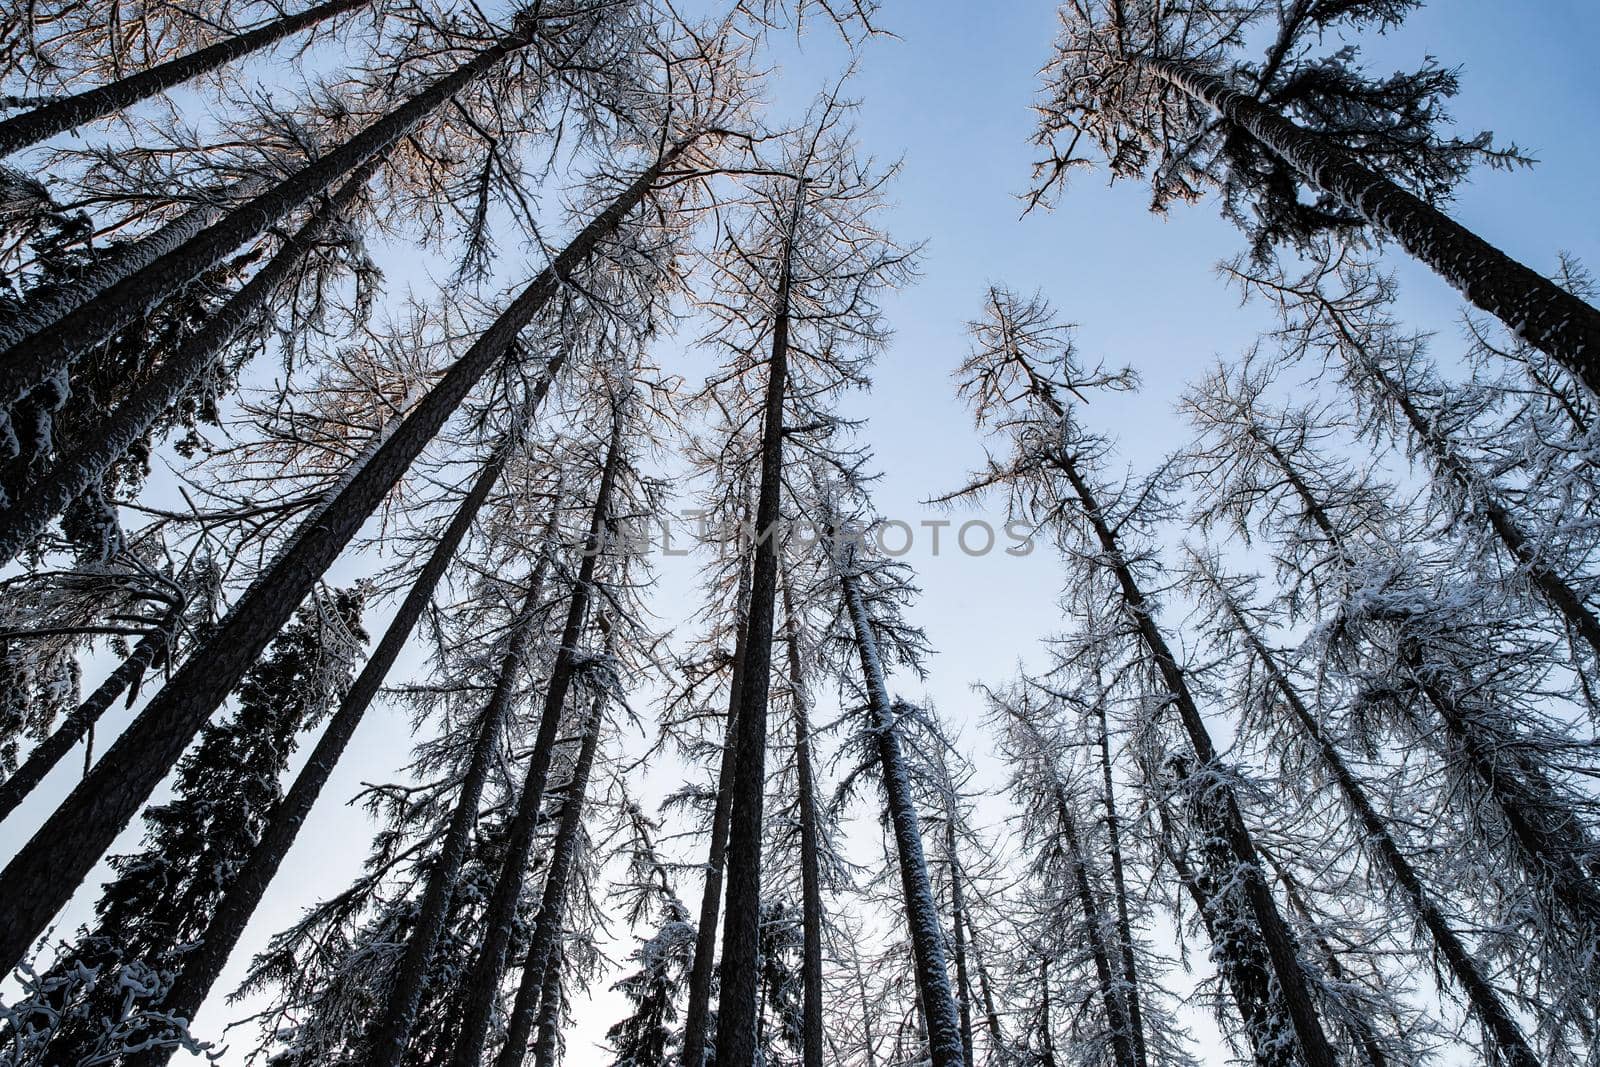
{"x":1296,"y":142}
{"x":1024,"y":377}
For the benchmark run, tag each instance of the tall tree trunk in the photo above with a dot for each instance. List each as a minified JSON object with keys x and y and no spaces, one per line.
{"x":80,"y":723}
{"x":68,"y":113}
{"x":1532,"y":306}
{"x":737,"y":1005}
{"x":1046,"y":1027}
{"x":810,"y":861}
{"x":391,"y":1035}
{"x":991,"y":1014}
{"x":483,"y":981}
{"x":1252,"y":1000}
{"x":44,"y":354}
{"x":1264,"y":938}
{"x":958,"y":920}
{"x":43,"y":307}
{"x":698,"y":1013}
{"x":1379,"y":843}
{"x":922,"y":911}
{"x":549,"y":1039}
{"x":106,"y":442}
{"x":541,"y":957}
{"x":1125,"y":951}
{"x":202,"y":966}
{"x":44,"y":874}
{"x":1095,"y":924}
{"x":869,"y":1011}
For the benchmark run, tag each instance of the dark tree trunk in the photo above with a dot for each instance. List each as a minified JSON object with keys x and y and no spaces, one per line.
{"x":80,"y":724}
{"x":541,"y":958}
{"x":1532,"y":306}
{"x":392,"y":1034}
{"x":1130,"y":968}
{"x":69,"y":113}
{"x":958,"y":920}
{"x":49,"y":352}
{"x":698,"y":1013}
{"x":483,"y":982}
{"x":1263,"y":939}
{"x":922,"y":911}
{"x":1046,"y":1027}
{"x":810,"y":860}
{"x":202,"y":966}
{"x":1379,"y":843}
{"x":737,"y":1007}
{"x":105,"y":443}
{"x":43,"y":307}
{"x":991,"y":1014}
{"x":1122,"y":1051}
{"x":44,"y":874}
{"x":549,"y":1039}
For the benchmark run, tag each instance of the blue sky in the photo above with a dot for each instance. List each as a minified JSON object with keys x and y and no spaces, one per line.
{"x":950,"y":95}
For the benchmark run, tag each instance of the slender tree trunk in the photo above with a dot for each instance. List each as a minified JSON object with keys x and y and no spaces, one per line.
{"x":1130,"y":968}
{"x":68,"y":113}
{"x":483,"y":981}
{"x":922,"y":911}
{"x":393,"y":1032}
{"x":991,"y":1015}
{"x":541,"y":958}
{"x":202,"y":966}
{"x":1531,"y":305}
{"x":50,"y":352}
{"x":1218,"y":808}
{"x":698,"y":1013}
{"x":108,"y":441}
{"x":958,"y":915}
{"x":1360,"y":1027}
{"x":810,"y":862}
{"x":737,"y":1006}
{"x":869,"y":1011}
{"x":1116,"y":1019}
{"x":44,"y":874}
{"x":1046,"y":1027}
{"x":80,"y":724}
{"x":1379,"y":843}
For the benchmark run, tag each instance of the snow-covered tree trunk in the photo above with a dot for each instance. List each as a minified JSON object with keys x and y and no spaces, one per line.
{"x":958,"y":923}
{"x":811,"y":916}
{"x":922,"y":910}
{"x":542,"y":955}
{"x":737,"y":1005}
{"x":43,"y":355}
{"x":991,"y":1013}
{"x":103,"y":444}
{"x":202,"y":966}
{"x":499,"y":919}
{"x":1095,"y":926}
{"x":392,"y":1033}
{"x":41,"y":309}
{"x":1532,"y":306}
{"x":53,"y":749}
{"x":1119,"y":885}
{"x":44,"y":873}
{"x":69,"y":113}
{"x":697,"y":1014}
{"x":548,"y":1041}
